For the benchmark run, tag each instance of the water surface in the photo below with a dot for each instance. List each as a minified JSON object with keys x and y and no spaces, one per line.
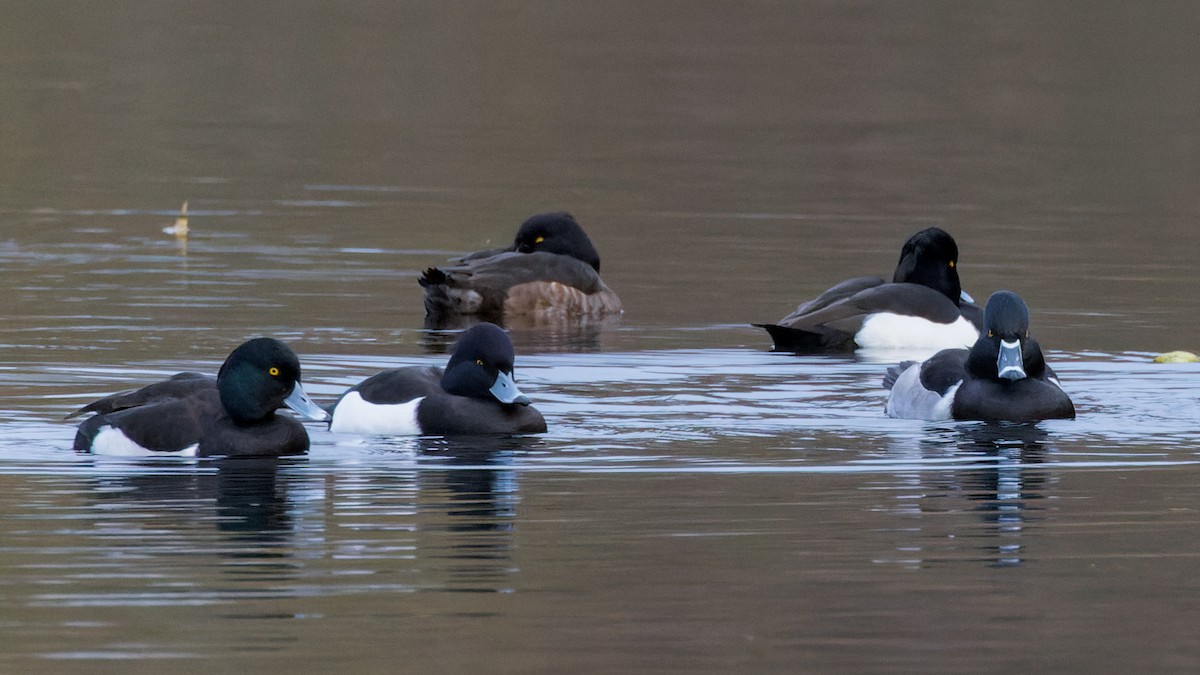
{"x":699,"y":503}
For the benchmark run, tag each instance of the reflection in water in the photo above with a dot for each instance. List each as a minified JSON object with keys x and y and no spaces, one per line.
{"x":447,"y":523}
{"x":736,"y":154}
{"x":248,"y":497}
{"x":1001,"y":485}
{"x":478,"y":492}
{"x":529,"y":334}
{"x":234,"y":508}
{"x":1006,"y":489}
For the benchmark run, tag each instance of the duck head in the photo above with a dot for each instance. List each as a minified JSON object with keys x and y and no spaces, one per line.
{"x":556,"y":233}
{"x":482,"y":366}
{"x":930,"y":258}
{"x":261,"y":376}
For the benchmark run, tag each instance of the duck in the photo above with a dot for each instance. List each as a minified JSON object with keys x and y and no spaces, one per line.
{"x":194,"y":415}
{"x":475,"y":394}
{"x":1002,"y":377}
{"x":923,"y":307}
{"x":552,"y":269}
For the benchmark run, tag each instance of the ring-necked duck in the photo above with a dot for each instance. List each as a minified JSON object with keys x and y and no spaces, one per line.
{"x":551,"y":269}
{"x":1003,"y":377}
{"x":476,"y":394}
{"x":923,"y":307}
{"x":193,"y":415}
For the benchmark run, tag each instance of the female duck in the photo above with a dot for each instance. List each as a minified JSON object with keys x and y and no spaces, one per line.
{"x":551,"y":269}
{"x":923,"y":307}
{"x":193,"y":415}
{"x":1003,"y":377}
{"x":476,"y":394}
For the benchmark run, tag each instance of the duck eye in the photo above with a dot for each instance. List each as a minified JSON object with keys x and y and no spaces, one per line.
{"x":274,"y":371}
{"x":479,"y":362}
{"x":951,"y":263}
{"x":539,"y":240}
{"x":989,"y":333}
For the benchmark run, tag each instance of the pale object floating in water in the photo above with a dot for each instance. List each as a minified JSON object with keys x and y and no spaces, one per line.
{"x":180,"y":228}
{"x":1177,"y":357}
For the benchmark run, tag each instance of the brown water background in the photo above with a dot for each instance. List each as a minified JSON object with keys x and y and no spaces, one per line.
{"x":700,"y":504}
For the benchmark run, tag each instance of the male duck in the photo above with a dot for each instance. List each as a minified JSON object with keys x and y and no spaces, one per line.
{"x":923,"y":307}
{"x":1003,"y":377}
{"x":193,"y":415}
{"x":551,"y":269}
{"x":476,"y":394}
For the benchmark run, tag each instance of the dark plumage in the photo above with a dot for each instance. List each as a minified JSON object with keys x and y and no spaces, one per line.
{"x":475,"y":394}
{"x":922,"y":307}
{"x":194,"y":415}
{"x":1002,"y":377}
{"x":180,"y":385}
{"x":552,"y":268}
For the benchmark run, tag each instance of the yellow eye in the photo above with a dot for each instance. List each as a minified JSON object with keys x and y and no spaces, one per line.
{"x":274,"y":371}
{"x":479,"y":362}
{"x":989,"y":333}
{"x":951,"y":263}
{"x":539,"y":240}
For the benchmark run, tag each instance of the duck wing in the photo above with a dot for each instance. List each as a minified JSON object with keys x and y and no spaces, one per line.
{"x":481,"y":286}
{"x":180,"y":385}
{"x":837,"y":293}
{"x":400,"y":385}
{"x":479,"y":255}
{"x":167,"y":425}
{"x":832,"y":323}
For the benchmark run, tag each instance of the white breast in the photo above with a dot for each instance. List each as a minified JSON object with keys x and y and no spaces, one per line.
{"x":114,"y":442}
{"x":353,"y":415}
{"x":896,"y":331}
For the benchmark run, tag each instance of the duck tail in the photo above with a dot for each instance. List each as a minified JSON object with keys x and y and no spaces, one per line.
{"x":432,"y":277}
{"x":800,"y":341}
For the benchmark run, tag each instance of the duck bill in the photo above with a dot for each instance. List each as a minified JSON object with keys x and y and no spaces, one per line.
{"x":1010,"y":365}
{"x":966,"y":297}
{"x":505,"y":390}
{"x":301,"y":403}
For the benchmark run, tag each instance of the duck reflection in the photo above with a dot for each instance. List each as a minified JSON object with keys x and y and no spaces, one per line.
{"x":473,"y":485}
{"x":442,"y":518}
{"x":453,"y":510}
{"x":1009,"y":490}
{"x":1005,"y":487}
{"x":478,"y":479}
{"x":247,"y":493}
{"x":571,"y":335}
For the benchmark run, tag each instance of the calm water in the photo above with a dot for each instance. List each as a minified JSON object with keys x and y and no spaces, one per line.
{"x":700,"y":504}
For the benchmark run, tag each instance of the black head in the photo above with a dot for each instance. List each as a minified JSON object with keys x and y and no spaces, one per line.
{"x":482,"y":366}
{"x":556,"y":233}
{"x":259,"y":377}
{"x":930,"y":258}
{"x":1006,"y":350}
{"x":1006,"y":316}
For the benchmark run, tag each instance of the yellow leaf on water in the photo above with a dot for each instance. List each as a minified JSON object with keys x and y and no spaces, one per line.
{"x":1176,"y":357}
{"x":180,"y":228}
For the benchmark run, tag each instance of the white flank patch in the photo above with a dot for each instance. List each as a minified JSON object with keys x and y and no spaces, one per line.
{"x":896,"y":331}
{"x":911,"y":400}
{"x":113,"y":442}
{"x":353,"y":415}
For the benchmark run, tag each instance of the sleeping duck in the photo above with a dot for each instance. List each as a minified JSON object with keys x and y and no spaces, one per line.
{"x":551,"y":269}
{"x":923,"y":307}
